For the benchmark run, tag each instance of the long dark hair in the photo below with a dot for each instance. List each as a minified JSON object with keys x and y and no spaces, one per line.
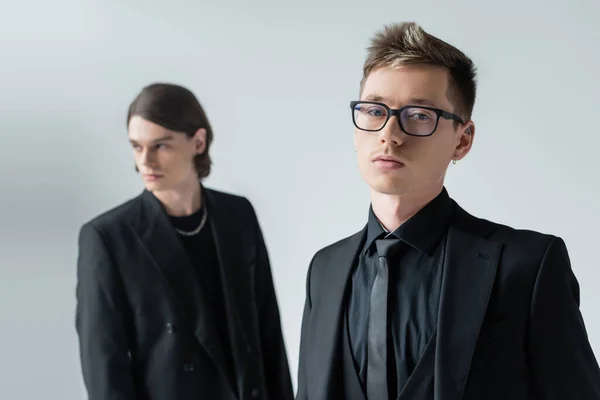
{"x":177,"y":109}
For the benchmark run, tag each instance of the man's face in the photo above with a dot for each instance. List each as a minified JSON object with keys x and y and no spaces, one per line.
{"x":164,"y":158}
{"x":422,"y":160}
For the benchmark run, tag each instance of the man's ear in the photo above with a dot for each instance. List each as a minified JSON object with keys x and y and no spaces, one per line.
{"x":200,"y":141}
{"x":465,"y":141}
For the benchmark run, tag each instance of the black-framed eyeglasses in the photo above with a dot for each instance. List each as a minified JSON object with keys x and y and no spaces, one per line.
{"x":420,"y":121}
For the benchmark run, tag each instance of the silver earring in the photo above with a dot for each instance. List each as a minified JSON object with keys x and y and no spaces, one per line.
{"x":454,"y":162}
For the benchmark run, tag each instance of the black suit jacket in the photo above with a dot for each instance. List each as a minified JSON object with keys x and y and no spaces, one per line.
{"x":144,"y":327}
{"x":509,"y":324}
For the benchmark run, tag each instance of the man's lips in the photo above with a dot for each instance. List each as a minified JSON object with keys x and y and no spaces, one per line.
{"x":387,"y":162}
{"x":152,"y":176}
{"x":386,"y":158}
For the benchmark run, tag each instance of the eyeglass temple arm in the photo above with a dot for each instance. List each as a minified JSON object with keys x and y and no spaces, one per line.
{"x":447,"y":115}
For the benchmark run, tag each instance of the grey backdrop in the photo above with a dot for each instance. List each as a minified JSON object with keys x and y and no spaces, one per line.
{"x":68,"y":70}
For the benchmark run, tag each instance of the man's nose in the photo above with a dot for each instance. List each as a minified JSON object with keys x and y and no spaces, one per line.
{"x":391,"y":132}
{"x":147,"y":157}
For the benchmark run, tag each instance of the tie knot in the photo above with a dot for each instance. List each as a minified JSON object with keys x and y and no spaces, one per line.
{"x":385,"y":247}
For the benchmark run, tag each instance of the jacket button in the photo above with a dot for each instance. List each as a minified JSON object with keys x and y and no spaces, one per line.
{"x":188,"y":367}
{"x":255,"y":393}
{"x":170,"y":328}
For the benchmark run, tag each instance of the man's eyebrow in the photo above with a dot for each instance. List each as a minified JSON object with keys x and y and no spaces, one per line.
{"x":165,"y":138}
{"x":375,"y":97}
{"x":421,"y":102}
{"x":417,"y":101}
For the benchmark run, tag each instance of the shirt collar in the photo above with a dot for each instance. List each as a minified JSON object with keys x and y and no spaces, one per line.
{"x":422,"y":231}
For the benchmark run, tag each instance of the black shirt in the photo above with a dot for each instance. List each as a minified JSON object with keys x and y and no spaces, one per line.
{"x":202,"y":251}
{"x":415,"y":277}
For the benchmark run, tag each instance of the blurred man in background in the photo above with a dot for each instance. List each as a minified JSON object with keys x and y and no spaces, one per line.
{"x":175,"y":298}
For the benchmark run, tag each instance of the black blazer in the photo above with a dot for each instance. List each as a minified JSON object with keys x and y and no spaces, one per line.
{"x":509,"y":325}
{"x":144,"y":327}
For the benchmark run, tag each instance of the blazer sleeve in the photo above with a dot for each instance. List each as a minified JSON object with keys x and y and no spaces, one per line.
{"x":103,"y":347}
{"x":302,"y":392}
{"x":562,"y":363}
{"x":275,"y":361}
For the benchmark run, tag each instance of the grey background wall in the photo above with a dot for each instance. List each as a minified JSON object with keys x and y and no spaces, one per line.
{"x":276,"y":79}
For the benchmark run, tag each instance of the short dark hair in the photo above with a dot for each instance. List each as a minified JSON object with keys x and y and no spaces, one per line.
{"x":177,"y":109}
{"x":407,"y":43}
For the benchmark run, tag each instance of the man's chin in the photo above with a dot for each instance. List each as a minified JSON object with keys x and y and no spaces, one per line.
{"x":389,"y":186}
{"x":154,"y":187}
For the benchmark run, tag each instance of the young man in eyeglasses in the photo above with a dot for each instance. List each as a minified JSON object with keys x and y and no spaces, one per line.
{"x":427,"y":301}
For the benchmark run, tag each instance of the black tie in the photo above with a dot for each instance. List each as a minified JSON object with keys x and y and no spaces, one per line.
{"x":377,"y":388}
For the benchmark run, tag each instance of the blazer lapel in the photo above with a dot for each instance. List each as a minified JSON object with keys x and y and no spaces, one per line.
{"x":171,"y":260}
{"x":469,"y":272}
{"x":234,"y":263}
{"x":326,"y":320}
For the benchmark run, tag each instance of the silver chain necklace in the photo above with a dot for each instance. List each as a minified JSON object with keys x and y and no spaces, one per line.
{"x":199,"y":228}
